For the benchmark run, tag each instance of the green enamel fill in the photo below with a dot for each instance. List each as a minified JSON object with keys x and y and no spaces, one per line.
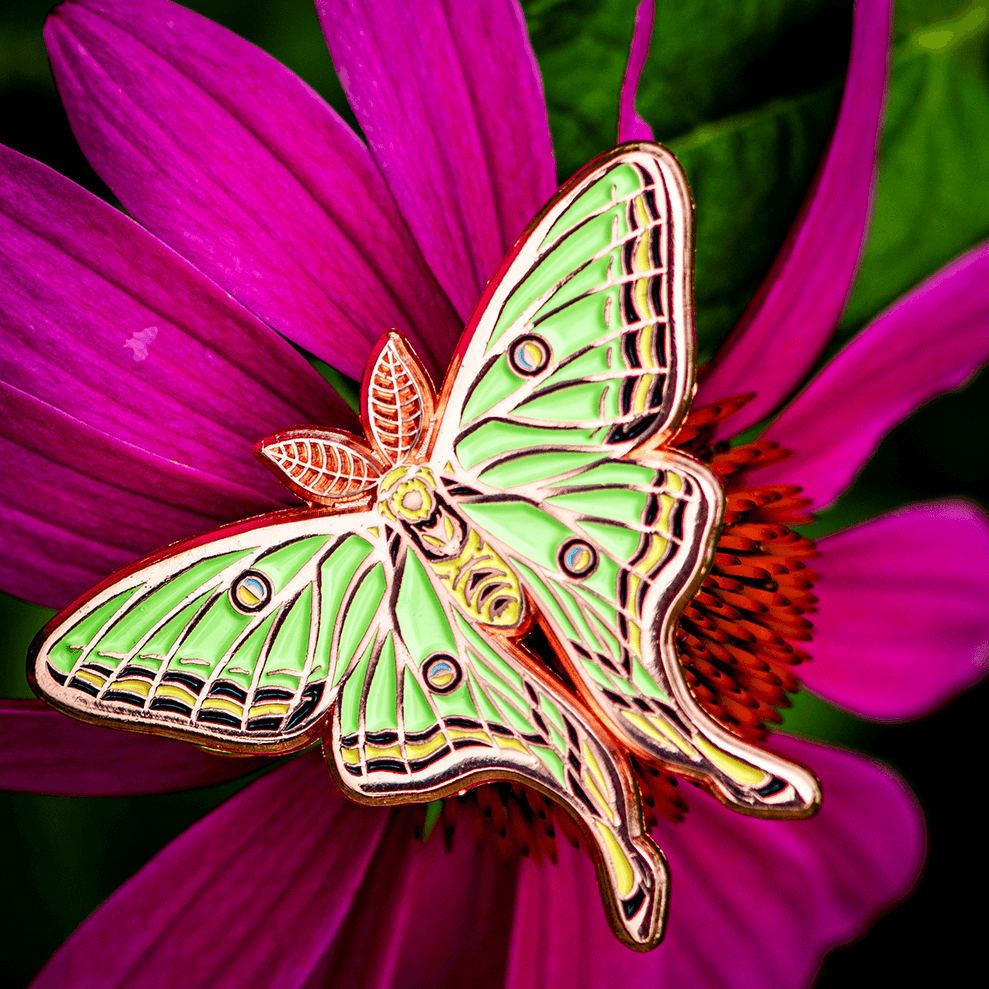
{"x":62,"y":656}
{"x":547,"y":601}
{"x":161,"y":643}
{"x":282,"y":564}
{"x":586,"y":316}
{"x":336,"y":573}
{"x":623,"y":179}
{"x":495,"y":437}
{"x":240,"y":666}
{"x":491,"y":678}
{"x":621,"y":504}
{"x":569,"y":604}
{"x":597,"y":674}
{"x":381,"y":712}
{"x":290,"y":650}
{"x":551,"y":761}
{"x":535,"y":467}
{"x":157,"y":605}
{"x":457,"y":703}
{"x":531,"y":532}
{"x":416,"y":712}
{"x":593,"y":361}
{"x":623,"y":472}
{"x":488,"y":711}
{"x":604,"y":579}
{"x":516,"y":719}
{"x":423,"y":624}
{"x":433,"y":811}
{"x":213,"y":635}
{"x":359,"y":615}
{"x":498,"y":382}
{"x":645,"y":683}
{"x":350,"y":701}
{"x":616,"y":539}
{"x":503,"y":669}
{"x":575,"y":403}
{"x":551,"y":711}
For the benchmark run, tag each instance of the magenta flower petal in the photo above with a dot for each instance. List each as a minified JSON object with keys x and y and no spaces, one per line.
{"x":631,"y":127}
{"x":278,"y":864}
{"x":453,"y":110}
{"x":902,"y":624}
{"x":427,"y":918}
{"x":134,"y":389}
{"x":42,"y":751}
{"x":794,"y":313}
{"x":236,"y":163}
{"x":753,"y":903}
{"x":930,"y":342}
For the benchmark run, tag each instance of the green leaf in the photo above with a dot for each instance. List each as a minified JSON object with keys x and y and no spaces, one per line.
{"x":933,"y":196}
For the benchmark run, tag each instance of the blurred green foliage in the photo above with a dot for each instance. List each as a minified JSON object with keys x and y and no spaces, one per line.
{"x":745,"y":93}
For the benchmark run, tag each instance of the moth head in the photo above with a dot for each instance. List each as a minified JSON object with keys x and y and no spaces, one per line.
{"x":407,"y":494}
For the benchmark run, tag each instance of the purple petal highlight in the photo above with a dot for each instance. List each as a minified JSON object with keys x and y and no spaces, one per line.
{"x":631,"y":127}
{"x":904,"y":611}
{"x":932,"y":341}
{"x":236,"y":163}
{"x":42,"y":751}
{"x":426,"y":918}
{"x":753,"y":903}
{"x":134,"y":389}
{"x":254,"y":894}
{"x":797,"y":308}
{"x":451,"y":100}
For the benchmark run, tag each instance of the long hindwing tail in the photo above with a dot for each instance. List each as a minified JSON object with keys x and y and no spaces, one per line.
{"x":603,"y":549}
{"x":230,"y":642}
{"x":584,"y":340}
{"x":432,"y":706}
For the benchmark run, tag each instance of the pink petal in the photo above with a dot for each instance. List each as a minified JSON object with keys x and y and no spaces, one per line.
{"x":133,"y":390}
{"x":930,"y":342}
{"x":237,"y":164}
{"x":903,"y":618}
{"x":426,"y":919}
{"x":631,"y":127}
{"x":451,"y":100}
{"x":42,"y":751}
{"x":752,"y":904}
{"x":798,"y":306}
{"x":252,"y":895}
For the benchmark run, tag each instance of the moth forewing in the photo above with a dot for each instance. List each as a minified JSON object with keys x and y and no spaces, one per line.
{"x":496,"y":326}
{"x":219,"y":640}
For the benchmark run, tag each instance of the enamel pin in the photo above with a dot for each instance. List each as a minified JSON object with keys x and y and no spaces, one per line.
{"x":486,"y":585}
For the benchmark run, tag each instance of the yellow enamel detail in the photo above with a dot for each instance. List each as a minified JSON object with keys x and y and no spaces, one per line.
{"x":476,"y":734}
{"x":659,"y":731}
{"x":457,"y":573}
{"x":377,"y":752}
{"x":94,"y":678}
{"x":624,"y":876}
{"x":510,"y":743}
{"x":421,"y":749}
{"x":177,"y":693}
{"x":351,"y":756}
{"x":134,"y":685}
{"x":739,"y":771}
{"x":222,"y":704}
{"x":273,"y":708}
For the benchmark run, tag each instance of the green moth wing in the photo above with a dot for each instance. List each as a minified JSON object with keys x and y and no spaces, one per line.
{"x":433,"y":706}
{"x":583,"y":341}
{"x":610,"y":553}
{"x":232,"y":641}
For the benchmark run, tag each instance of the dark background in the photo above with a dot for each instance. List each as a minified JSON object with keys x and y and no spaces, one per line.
{"x":745,"y":94}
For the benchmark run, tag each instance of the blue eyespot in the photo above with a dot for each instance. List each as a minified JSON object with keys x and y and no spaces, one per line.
{"x":577,"y":558}
{"x":529,"y":355}
{"x":442,"y":673}
{"x":250,"y":592}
